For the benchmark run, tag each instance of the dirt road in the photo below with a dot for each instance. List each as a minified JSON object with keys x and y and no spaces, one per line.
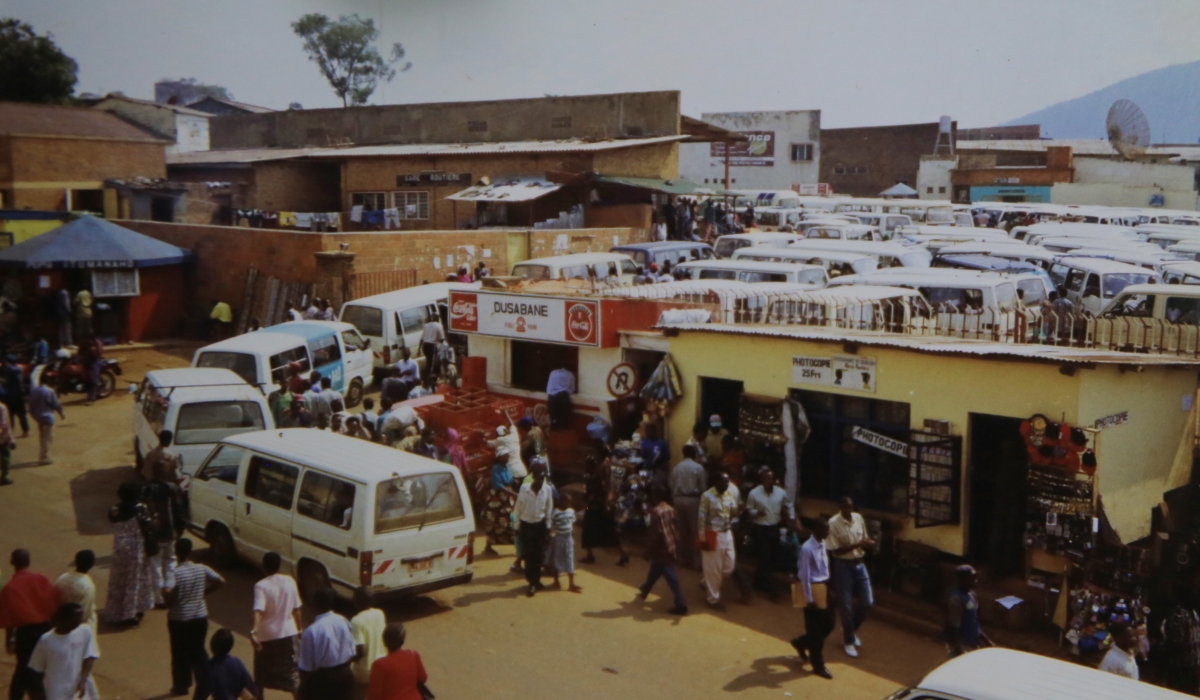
{"x":481,"y":640}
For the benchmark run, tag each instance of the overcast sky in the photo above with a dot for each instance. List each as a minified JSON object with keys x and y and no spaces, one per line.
{"x":862,"y":62}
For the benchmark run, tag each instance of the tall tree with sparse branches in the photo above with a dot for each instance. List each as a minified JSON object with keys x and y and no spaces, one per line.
{"x":345,"y":52}
{"x":32,"y":67}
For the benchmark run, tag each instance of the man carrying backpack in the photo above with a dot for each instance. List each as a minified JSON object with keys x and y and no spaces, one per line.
{"x":167,"y":515}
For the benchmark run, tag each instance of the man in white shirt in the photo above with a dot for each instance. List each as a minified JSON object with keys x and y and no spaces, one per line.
{"x":558,"y":397}
{"x":367,"y":625}
{"x":688,"y":480}
{"x":1121,"y":658}
{"x":63,"y":658}
{"x":534,"y":510}
{"x":813,"y":573}
{"x":718,"y":507}
{"x":316,"y":402}
{"x":329,"y":396}
{"x":276,"y":632}
{"x":407,"y":371}
{"x":769,"y":513}
{"x":431,"y":336}
{"x":394,"y":420}
{"x":847,"y":537}
{"x":313,"y":312}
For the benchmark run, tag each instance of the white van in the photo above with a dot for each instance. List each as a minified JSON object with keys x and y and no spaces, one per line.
{"x":600,"y":266}
{"x":331,"y":348}
{"x":725,"y":245}
{"x":746,"y":270}
{"x":1177,"y":303}
{"x":775,"y":218}
{"x":338,"y":510}
{"x":1004,"y":674}
{"x":395,"y":320}
{"x":886,"y":223}
{"x":1065,"y":244}
{"x":1187,"y":249}
{"x":844,"y":232}
{"x":889,"y":253}
{"x":1075,"y":229}
{"x":947,"y":289}
{"x":200,"y":406}
{"x":834,"y":262}
{"x":1166,"y":239}
{"x":1091,"y":283}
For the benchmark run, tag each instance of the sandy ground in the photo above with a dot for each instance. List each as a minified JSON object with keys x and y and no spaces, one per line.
{"x":485,"y":639}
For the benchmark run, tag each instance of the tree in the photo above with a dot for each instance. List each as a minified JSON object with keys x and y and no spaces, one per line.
{"x":345,"y":52}
{"x":32,"y":67}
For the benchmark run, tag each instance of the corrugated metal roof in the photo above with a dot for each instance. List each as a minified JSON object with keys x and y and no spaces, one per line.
{"x":942,"y":344}
{"x":507,"y":190}
{"x":23,"y":119}
{"x":252,"y":109}
{"x":253,"y":155}
{"x":178,"y":109}
{"x":1079,"y":147}
{"x":678,"y":186}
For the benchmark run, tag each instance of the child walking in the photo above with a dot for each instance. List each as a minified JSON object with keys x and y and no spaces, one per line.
{"x":563,"y":524}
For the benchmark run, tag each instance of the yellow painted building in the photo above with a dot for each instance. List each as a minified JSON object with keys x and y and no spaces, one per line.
{"x":983,"y":389}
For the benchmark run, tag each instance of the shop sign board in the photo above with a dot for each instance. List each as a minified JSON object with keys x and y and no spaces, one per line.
{"x":526,"y":317}
{"x":1111,"y":420}
{"x":880,"y":442}
{"x":839,"y":371}
{"x":757,"y":149}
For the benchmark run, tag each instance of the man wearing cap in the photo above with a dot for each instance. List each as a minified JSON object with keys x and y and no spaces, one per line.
{"x":847,"y":538}
{"x":963,"y":632}
{"x":712,"y":441}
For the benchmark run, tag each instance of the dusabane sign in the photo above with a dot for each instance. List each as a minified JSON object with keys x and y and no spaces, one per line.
{"x":526,"y":317}
{"x":433,"y":179}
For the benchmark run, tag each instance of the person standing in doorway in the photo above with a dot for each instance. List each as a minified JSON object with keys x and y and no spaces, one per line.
{"x":43,"y":404}
{"x":847,"y":538}
{"x":534,"y":511}
{"x":60,"y":667}
{"x":187,"y":620}
{"x":559,"y":388}
{"x":83,"y":314}
{"x":963,"y":631}
{"x":718,"y":507}
{"x":326,"y":650}
{"x":276,"y":632}
{"x":769,"y":511}
{"x":367,"y":626}
{"x":167,"y":515}
{"x":813,"y":574}
{"x":712,"y":441}
{"x":77,"y":587}
{"x":27,"y":603}
{"x":432,"y":336}
{"x":662,"y":549}
{"x":687,"y":485}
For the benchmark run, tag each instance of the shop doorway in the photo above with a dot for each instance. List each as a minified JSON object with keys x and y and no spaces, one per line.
{"x":999,"y":469}
{"x":532,"y":363}
{"x":722,"y":397}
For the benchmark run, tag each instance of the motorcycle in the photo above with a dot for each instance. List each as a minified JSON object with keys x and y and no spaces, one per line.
{"x":71,"y":375}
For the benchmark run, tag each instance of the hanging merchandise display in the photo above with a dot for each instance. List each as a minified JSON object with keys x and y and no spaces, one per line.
{"x":662,"y":390}
{"x":1056,"y":444}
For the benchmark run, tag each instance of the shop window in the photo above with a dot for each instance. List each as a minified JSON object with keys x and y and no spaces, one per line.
{"x":833,"y":464}
{"x":928,"y":190}
{"x":93,"y":201}
{"x":721,"y":397}
{"x":532,"y":363}
{"x":161,"y":209}
{"x":115,"y":283}
{"x":370,"y":201}
{"x":941,"y":190}
{"x":801,"y":152}
{"x":412,"y":205}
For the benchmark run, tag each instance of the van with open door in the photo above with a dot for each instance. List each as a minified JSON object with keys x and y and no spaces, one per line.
{"x":395,"y":320}
{"x":1092,"y":283}
{"x":338,"y":510}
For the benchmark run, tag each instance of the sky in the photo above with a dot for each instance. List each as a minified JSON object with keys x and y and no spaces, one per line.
{"x":862,"y":62}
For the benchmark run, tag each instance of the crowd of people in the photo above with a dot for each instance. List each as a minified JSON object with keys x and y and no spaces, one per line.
{"x":689,"y":220}
{"x":51,"y":629}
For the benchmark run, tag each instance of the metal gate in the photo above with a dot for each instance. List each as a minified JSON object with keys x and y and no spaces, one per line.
{"x":367,"y":284}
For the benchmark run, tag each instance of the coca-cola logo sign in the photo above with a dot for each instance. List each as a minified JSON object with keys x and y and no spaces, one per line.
{"x":464,"y":312}
{"x":581,"y":322}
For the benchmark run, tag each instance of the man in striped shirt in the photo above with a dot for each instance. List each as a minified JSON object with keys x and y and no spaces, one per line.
{"x":187,"y":619}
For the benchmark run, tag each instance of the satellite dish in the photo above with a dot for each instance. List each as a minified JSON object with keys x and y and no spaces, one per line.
{"x":1128,"y":129}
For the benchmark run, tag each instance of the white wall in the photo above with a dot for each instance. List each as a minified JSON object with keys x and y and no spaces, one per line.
{"x":592,"y":382}
{"x":935,"y":173}
{"x":801,"y":126}
{"x":191,"y":134}
{"x":1168,"y":176}
{"x":1107,"y":194}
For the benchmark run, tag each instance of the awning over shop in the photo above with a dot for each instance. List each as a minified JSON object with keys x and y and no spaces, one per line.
{"x":508,"y":190}
{"x":88,"y":243}
{"x":698,"y":131}
{"x":899,"y":190}
{"x":677,"y":187}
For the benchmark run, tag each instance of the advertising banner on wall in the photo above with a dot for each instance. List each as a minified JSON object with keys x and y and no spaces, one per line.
{"x":759,"y":149}
{"x":840,"y":371}
{"x":526,"y":317}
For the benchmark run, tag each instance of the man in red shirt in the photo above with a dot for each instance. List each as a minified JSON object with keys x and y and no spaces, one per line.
{"x":398,"y":675}
{"x":27,"y":602}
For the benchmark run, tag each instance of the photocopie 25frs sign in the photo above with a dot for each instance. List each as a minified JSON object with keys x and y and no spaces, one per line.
{"x":525,"y":317}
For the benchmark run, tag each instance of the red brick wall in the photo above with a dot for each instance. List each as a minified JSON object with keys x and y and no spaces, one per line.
{"x":83,"y":160}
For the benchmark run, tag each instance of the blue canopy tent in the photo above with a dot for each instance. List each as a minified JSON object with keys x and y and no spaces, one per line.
{"x":136,"y":281}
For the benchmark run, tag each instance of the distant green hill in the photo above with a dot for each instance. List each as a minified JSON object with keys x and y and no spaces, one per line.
{"x":1169,"y":96}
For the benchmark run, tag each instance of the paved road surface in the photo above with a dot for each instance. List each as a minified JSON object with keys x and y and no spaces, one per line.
{"x":481,"y":640}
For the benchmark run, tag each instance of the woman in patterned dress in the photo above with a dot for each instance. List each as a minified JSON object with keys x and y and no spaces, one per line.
{"x":497,"y":512}
{"x":131,"y":583}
